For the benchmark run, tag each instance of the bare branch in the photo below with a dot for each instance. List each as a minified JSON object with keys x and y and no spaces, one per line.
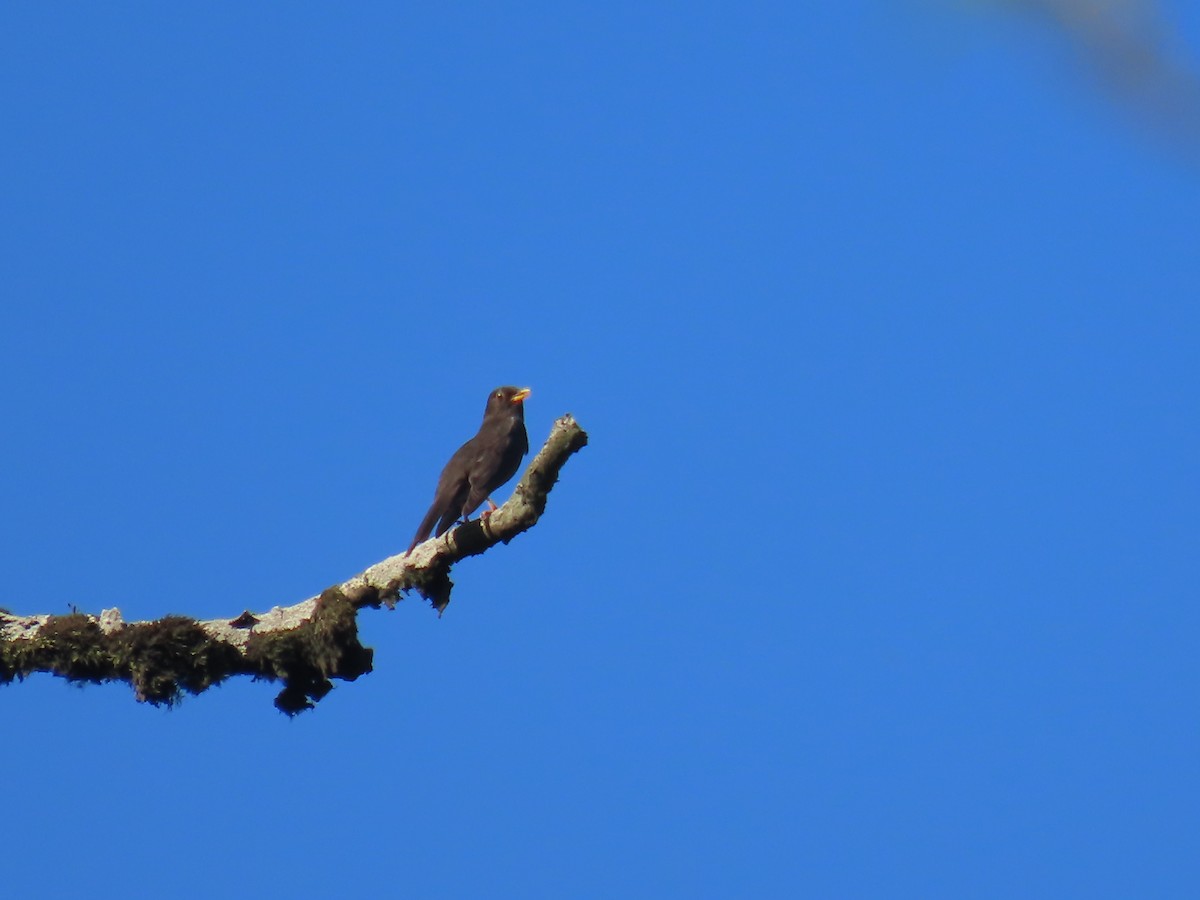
{"x":304,"y":645}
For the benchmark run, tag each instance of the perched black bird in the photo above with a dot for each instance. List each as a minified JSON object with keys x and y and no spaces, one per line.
{"x":481,"y":465}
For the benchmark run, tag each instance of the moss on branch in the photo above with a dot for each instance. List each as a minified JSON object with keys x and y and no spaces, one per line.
{"x":303,"y":646}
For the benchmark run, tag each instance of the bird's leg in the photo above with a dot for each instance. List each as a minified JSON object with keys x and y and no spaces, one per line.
{"x":492,"y":507}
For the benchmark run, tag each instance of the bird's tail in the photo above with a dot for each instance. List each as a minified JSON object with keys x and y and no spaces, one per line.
{"x":423,"y":532}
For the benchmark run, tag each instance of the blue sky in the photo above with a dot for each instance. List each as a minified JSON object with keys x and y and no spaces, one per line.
{"x":877,"y":577}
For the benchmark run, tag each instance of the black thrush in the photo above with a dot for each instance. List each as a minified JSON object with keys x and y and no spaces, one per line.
{"x":481,"y":465}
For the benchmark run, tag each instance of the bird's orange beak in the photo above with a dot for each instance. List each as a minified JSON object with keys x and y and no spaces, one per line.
{"x":520,"y":395}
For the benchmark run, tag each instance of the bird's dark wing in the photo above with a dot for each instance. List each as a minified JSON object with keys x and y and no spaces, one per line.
{"x":426,"y":526}
{"x":452,"y":490}
{"x":450,"y":516}
{"x":497,"y":461}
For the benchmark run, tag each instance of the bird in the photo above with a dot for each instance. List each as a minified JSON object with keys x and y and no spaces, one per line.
{"x":481,"y":465}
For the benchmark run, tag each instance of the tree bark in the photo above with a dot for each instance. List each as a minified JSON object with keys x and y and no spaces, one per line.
{"x":303,"y":646}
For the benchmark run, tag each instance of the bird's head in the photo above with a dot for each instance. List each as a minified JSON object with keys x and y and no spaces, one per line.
{"x":507,"y":400}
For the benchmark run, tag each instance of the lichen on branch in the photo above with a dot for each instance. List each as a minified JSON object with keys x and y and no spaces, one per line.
{"x":303,"y":646}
